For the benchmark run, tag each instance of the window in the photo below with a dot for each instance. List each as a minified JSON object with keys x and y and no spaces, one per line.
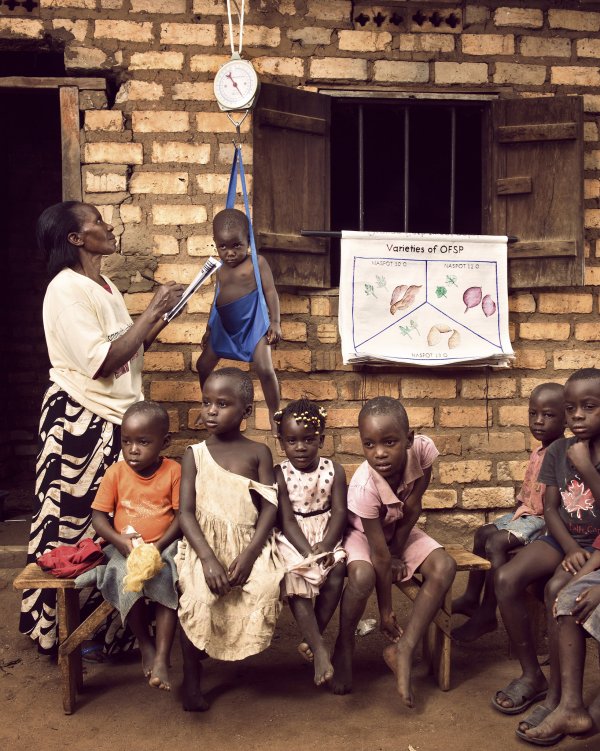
{"x":510,"y":166}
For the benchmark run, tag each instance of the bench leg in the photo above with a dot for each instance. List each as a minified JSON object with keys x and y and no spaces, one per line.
{"x":67,"y":606}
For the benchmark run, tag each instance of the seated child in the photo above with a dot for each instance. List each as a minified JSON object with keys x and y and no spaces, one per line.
{"x":244,"y":317}
{"x":142,"y":492}
{"x":229,"y":576}
{"x":577,"y":607}
{"x":494,"y":541}
{"x":383,"y":545}
{"x":312,"y":519}
{"x":573,"y":523}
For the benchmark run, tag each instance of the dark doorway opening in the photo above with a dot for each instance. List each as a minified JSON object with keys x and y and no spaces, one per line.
{"x":31,"y":179}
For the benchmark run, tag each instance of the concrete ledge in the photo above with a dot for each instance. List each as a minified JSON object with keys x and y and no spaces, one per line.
{"x":13,"y":556}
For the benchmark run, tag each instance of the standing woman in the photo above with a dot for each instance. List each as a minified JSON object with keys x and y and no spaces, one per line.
{"x":96,"y":355}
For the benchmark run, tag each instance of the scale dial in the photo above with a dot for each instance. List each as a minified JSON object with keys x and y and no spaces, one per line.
{"x":236,"y":85}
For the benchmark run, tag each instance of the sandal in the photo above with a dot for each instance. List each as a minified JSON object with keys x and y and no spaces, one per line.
{"x":533,"y":719}
{"x":519,"y":693}
{"x":92,"y":651}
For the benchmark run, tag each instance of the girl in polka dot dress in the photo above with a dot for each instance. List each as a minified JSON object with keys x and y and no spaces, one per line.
{"x":312,"y":520}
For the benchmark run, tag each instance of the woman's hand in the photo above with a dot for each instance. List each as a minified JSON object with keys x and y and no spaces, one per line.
{"x":389,"y":626}
{"x":124,"y":543}
{"x":166,"y":297}
{"x":586,"y":603}
{"x":240,"y":569}
{"x":319,"y":548}
{"x":216,"y":578}
{"x":273,"y":334}
{"x":574,"y":560}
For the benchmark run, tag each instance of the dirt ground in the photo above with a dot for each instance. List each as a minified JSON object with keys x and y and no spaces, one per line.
{"x":265,"y":702}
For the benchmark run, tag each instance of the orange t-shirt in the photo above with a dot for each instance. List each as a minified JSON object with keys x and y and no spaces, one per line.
{"x":147,"y":503}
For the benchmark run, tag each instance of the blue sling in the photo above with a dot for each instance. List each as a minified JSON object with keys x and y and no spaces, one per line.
{"x":237,"y":327}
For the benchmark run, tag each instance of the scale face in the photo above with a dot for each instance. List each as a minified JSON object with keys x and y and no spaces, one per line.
{"x":236,"y":85}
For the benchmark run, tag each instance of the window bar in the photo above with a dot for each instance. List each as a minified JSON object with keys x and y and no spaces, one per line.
{"x":361,"y":170}
{"x":406,"y":166}
{"x":452,"y":168}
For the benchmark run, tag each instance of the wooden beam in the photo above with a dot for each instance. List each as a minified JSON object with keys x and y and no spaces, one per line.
{"x":542,"y":249}
{"x":509,"y":186}
{"x":38,"y":82}
{"x":292,"y":121}
{"x":280,"y":241}
{"x":537,"y":132}
{"x":71,"y":152}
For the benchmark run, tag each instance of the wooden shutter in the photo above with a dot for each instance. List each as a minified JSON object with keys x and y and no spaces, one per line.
{"x":291,"y":183}
{"x":536,"y":189}
{"x":71,"y":160}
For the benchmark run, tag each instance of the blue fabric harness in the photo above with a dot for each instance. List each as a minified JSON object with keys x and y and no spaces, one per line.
{"x":237,"y":327}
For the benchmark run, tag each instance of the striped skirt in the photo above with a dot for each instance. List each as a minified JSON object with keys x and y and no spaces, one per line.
{"x":75,"y":449}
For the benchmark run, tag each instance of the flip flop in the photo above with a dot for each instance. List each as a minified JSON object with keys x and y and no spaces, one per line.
{"x":534,"y":718}
{"x":551,"y":740}
{"x":518,"y":692}
{"x":92,"y":652}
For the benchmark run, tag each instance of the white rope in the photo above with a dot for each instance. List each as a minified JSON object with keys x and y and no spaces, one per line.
{"x":241,"y":22}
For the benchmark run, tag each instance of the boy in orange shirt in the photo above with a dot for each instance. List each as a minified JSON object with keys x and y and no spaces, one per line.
{"x":143,"y":492}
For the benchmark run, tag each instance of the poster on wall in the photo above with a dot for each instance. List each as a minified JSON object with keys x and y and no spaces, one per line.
{"x":424,"y":299}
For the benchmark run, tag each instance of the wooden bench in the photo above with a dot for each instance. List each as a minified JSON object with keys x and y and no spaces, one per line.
{"x":71,"y":633}
{"x":437,"y":643}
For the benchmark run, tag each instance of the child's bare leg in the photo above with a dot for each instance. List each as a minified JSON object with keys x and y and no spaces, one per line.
{"x":438,"y":571}
{"x":193,"y":700}
{"x":326,"y":603}
{"x":535,"y":562}
{"x":137,"y":620}
{"x":263,"y":364}
{"x":484,"y":620}
{"x":361,"y":581}
{"x":166,"y":621}
{"x":206,"y":363}
{"x":468,"y":602}
{"x":570,"y":716}
{"x":329,"y":596}
{"x":303,"y":611}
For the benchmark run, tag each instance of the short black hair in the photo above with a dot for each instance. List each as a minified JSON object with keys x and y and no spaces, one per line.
{"x":303,"y":411}
{"x":153,"y":411}
{"x":386,"y":405}
{"x":584,"y":374}
{"x":54,"y":226}
{"x":243,"y":382}
{"x":556,"y":388}
{"x":231,"y":218}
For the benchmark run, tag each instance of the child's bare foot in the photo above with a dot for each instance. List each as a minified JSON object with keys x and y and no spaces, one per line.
{"x":559,"y":723}
{"x":464,"y":605}
{"x":148,"y":657}
{"x":341,"y":683}
{"x":323,"y":667}
{"x":474,"y":628}
{"x":399,"y":661}
{"x":160,"y":676}
{"x":193,"y":699}
{"x":305,"y":651}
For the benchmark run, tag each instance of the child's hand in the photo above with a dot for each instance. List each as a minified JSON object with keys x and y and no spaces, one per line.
{"x":399,"y":570}
{"x":389,"y":626}
{"x":319,"y":548}
{"x":573,"y":561}
{"x":240,"y":569}
{"x":274,"y":334}
{"x":579,"y":454}
{"x":586,"y":603}
{"x":125,"y":543}
{"x":216,"y":578}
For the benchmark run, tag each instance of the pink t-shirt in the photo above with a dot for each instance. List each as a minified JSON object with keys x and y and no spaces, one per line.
{"x":532,"y":492}
{"x":370,"y":496}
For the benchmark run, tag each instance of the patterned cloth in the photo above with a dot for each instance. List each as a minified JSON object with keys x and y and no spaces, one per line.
{"x":75,"y":449}
{"x":240,"y":623}
{"x":309,"y":493}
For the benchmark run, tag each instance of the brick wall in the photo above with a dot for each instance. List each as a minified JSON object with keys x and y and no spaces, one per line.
{"x":156,"y":163}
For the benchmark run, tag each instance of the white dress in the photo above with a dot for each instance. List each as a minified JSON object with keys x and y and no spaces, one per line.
{"x":240,"y":623}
